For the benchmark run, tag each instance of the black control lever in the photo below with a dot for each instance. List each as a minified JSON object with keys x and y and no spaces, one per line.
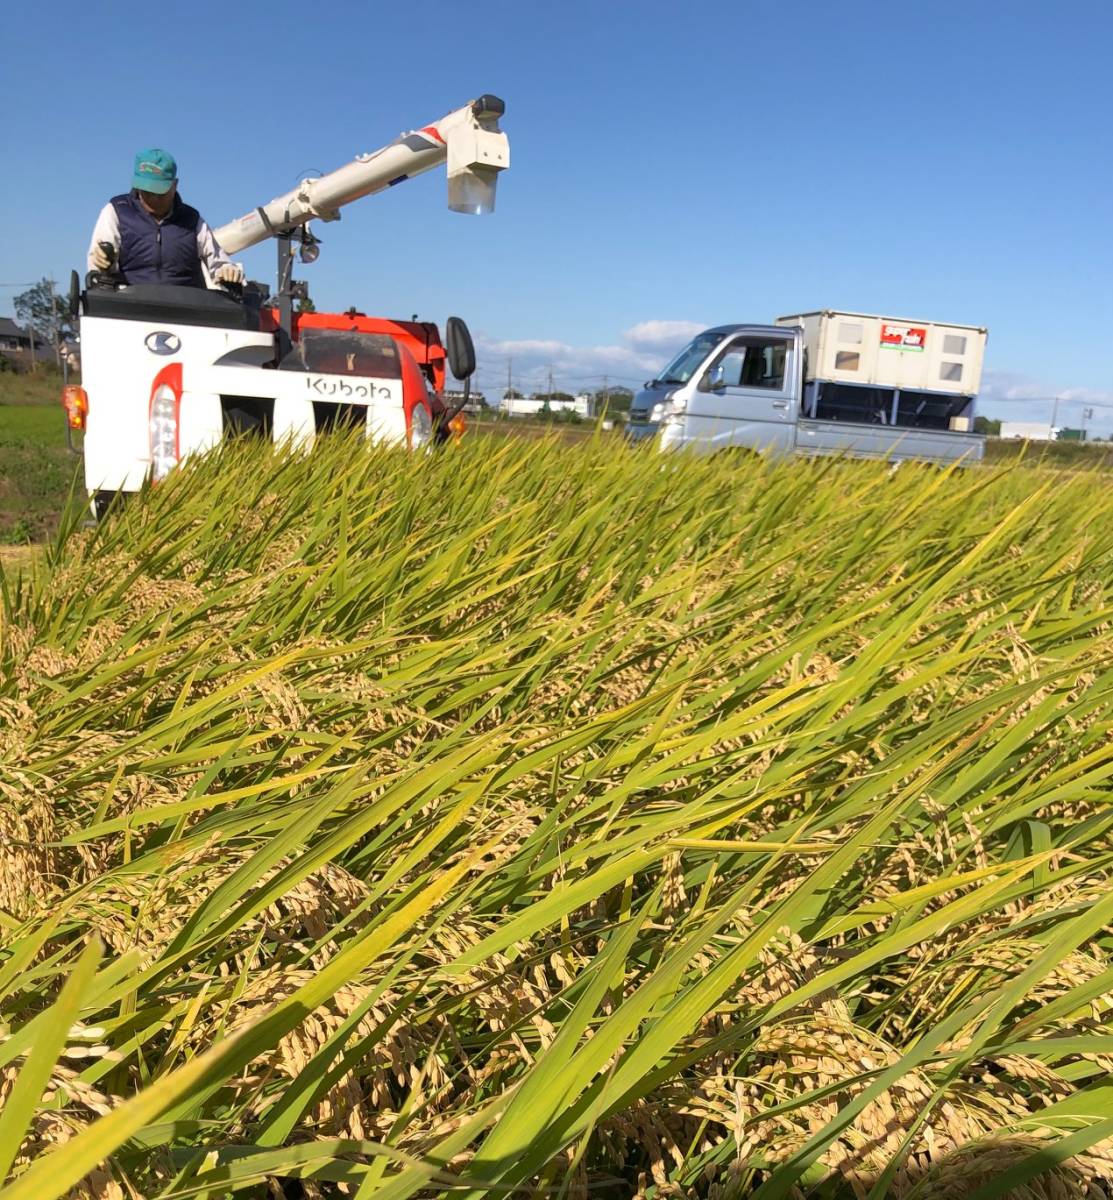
{"x":234,"y":290}
{"x":109,"y":277}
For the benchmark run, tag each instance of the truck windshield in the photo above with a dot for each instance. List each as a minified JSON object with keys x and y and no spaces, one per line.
{"x":690,"y":359}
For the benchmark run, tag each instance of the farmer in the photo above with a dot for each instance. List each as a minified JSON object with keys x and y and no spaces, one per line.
{"x":156,"y":237}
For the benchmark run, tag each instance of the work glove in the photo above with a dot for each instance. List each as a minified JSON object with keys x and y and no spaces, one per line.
{"x":231,"y":273}
{"x":102,"y":260}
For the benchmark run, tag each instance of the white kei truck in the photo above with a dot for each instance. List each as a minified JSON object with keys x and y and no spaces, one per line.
{"x":821,"y":383}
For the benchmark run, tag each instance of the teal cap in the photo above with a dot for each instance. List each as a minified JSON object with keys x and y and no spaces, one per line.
{"x":155,"y":171}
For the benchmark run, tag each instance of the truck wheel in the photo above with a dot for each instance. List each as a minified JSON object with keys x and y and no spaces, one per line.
{"x":103,"y":501}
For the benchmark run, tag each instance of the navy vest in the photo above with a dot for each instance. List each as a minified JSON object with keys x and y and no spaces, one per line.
{"x":158,"y":251}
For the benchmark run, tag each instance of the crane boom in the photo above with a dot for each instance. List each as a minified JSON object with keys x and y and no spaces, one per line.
{"x":468,"y":139}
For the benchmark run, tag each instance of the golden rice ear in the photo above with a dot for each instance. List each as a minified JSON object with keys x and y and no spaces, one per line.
{"x":539,"y":815}
{"x":981,"y":1163}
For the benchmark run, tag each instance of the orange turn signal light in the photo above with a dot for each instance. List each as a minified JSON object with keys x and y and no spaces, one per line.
{"x":457,"y":426}
{"x":75,"y":400}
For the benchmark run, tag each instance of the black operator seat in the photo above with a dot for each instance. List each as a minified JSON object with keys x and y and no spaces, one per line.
{"x":170,"y":304}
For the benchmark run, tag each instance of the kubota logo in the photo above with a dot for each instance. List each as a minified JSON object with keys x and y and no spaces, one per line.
{"x":342,"y":389}
{"x":162,"y":342}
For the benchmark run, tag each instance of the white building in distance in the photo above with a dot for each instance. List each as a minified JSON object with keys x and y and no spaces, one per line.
{"x":582,"y":406}
{"x":1027,"y":430}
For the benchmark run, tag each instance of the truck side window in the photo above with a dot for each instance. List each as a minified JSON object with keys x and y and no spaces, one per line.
{"x":765,"y":365}
{"x":732,"y":360}
{"x":754,"y":363}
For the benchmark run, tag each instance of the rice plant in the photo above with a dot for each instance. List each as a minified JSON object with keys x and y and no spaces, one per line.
{"x":537,"y":821}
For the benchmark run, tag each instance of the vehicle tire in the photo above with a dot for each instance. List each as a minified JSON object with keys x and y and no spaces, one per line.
{"x":105,"y":501}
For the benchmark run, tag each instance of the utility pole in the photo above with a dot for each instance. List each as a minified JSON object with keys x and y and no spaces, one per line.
{"x":1054,"y":416}
{"x":54,"y":325}
{"x":1087,"y":414}
{"x":550,"y":383}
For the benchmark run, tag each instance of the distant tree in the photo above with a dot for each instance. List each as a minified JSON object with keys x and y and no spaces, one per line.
{"x":42,"y":311}
{"x":986,"y":426}
{"x":512,"y":394}
{"x":616,"y":399}
{"x":305,"y":304}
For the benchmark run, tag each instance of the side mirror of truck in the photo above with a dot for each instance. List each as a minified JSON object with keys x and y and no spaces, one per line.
{"x":715,"y":380}
{"x":458,"y":346}
{"x":74,"y":301}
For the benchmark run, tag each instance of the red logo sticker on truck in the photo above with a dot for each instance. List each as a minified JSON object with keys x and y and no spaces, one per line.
{"x":903,"y":337}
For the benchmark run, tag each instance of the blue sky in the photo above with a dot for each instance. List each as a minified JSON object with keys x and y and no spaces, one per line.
{"x":672,"y":166}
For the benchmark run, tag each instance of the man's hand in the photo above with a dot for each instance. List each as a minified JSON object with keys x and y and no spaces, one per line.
{"x":232,"y":273}
{"x":102,"y":260}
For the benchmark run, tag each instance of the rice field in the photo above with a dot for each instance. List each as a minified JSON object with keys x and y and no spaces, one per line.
{"x":543,"y":821}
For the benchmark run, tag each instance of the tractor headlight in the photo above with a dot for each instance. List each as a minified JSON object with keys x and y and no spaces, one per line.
{"x":421,"y":427}
{"x":164,"y":431}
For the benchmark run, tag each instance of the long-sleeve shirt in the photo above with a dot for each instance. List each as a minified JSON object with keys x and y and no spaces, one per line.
{"x":107,"y":229}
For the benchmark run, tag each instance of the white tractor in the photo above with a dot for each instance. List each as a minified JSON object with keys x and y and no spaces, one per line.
{"x":169,"y":371}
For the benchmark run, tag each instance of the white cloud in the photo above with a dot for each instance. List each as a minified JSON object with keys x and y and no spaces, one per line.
{"x":1010,"y":396}
{"x":638,"y":353}
{"x":662,"y":335}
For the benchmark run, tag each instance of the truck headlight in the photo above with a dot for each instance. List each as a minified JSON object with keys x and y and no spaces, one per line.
{"x":676,"y":406}
{"x":657,"y":412}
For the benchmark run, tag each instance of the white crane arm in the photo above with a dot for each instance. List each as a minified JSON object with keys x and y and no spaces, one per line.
{"x":469,"y":140}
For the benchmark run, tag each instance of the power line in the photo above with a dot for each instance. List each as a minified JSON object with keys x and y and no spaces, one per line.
{"x":536,"y":377}
{"x":1043,"y":400}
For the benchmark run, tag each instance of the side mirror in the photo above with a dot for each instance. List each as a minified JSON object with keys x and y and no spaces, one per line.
{"x":73,"y":304}
{"x":461,"y":352}
{"x":715,"y":380}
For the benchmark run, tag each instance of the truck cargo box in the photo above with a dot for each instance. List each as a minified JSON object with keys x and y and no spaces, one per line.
{"x":886,"y":352}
